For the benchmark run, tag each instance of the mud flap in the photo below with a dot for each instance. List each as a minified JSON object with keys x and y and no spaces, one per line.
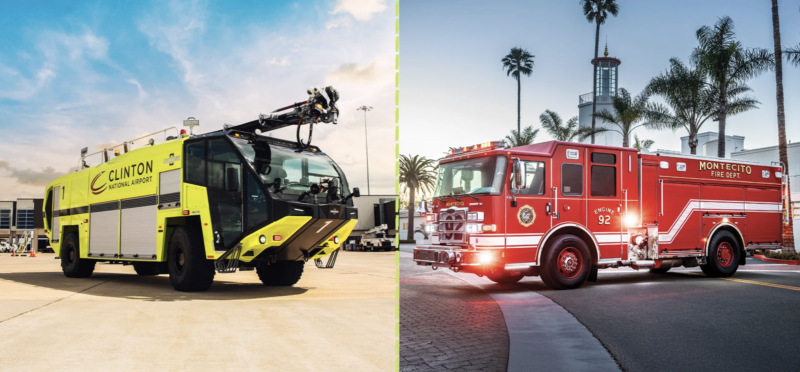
{"x":592,"y":274}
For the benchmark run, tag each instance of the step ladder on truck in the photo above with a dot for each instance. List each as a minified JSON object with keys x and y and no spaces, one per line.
{"x":197,"y":205}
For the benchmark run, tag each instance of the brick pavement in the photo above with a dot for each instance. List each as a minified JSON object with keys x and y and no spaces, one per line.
{"x":448,"y":324}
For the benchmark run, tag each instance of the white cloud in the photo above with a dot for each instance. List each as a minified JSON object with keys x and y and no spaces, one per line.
{"x":142,"y":93}
{"x":337,"y":22}
{"x":361,"y":10}
{"x":284,"y":61}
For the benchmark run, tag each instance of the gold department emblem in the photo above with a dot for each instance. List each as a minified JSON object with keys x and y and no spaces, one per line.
{"x":526,"y":216}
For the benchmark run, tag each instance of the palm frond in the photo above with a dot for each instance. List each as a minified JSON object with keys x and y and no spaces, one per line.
{"x":793,"y":55}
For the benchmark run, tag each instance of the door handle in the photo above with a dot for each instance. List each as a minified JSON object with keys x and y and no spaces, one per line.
{"x":548,"y":209}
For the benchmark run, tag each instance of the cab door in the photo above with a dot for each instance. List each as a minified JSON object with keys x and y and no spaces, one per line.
{"x":569,"y":185}
{"x":605,"y":201}
{"x":224,"y":182}
{"x":527,"y":218}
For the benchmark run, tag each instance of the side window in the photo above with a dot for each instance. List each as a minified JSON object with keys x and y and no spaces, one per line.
{"x":195,"y":170}
{"x":256,"y":204}
{"x":604,"y":180}
{"x":571,"y":179}
{"x":534,"y":179}
{"x":221,"y":156}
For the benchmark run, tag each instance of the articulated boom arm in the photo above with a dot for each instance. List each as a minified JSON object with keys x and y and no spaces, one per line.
{"x":316,"y":109}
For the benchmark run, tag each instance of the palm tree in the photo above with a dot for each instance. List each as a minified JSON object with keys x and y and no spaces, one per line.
{"x":528,"y":135}
{"x":416,"y":173}
{"x":692,"y":99}
{"x":517,"y":63}
{"x":552,"y":123}
{"x":727,"y":64}
{"x":643,"y":145}
{"x":597,"y":11}
{"x":788,"y":233}
{"x":631,"y":113}
{"x":793,"y":55}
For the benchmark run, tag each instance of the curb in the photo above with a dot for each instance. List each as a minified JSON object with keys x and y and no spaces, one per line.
{"x":774,"y":260}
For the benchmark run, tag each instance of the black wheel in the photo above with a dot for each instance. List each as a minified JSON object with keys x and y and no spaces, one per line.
{"x":567,"y":263}
{"x":723,"y":256}
{"x":281,"y":273}
{"x":500,"y":277}
{"x":189,"y":270}
{"x":146,"y":268}
{"x":660,"y":270}
{"x":72,"y":264}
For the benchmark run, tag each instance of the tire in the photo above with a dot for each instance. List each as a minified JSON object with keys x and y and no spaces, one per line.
{"x":146,"y":268}
{"x":189,"y":270}
{"x":281,"y":273}
{"x":504,"y":279}
{"x":660,"y":270}
{"x":72,"y":264}
{"x":723,"y":256}
{"x":567,"y":263}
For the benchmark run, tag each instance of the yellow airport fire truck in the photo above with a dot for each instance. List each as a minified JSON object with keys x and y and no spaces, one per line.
{"x":196,"y":205}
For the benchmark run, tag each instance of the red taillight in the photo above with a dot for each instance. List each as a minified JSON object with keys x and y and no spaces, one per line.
{"x":331,"y":239}
{"x":185,"y":213}
{"x":277,"y":238}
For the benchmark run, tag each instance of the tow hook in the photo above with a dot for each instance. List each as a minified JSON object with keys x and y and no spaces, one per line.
{"x":455,"y":269}
{"x":434,"y":267}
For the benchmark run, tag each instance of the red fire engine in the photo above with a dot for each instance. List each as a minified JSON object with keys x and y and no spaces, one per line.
{"x":563,"y":210}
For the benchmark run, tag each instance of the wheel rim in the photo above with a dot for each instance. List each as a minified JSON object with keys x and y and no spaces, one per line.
{"x":71,"y":254}
{"x":179,"y":259}
{"x":570,"y":262}
{"x":725,"y":254}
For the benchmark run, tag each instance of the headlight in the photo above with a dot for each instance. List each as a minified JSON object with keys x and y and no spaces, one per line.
{"x":474,"y":227}
{"x":475,"y":216}
{"x":335,"y":240}
{"x":485,"y":258}
{"x":262,"y":239}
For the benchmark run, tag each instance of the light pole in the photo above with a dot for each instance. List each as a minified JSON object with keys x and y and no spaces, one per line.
{"x":366,"y":141}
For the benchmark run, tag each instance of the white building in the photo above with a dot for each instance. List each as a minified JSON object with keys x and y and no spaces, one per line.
{"x":607,"y":85}
{"x":707,"y":143}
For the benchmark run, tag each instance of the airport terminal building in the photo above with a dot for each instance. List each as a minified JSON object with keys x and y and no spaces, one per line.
{"x":22,"y":216}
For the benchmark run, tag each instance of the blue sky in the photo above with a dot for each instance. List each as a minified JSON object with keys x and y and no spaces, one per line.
{"x":455,"y":91}
{"x":77,"y":74}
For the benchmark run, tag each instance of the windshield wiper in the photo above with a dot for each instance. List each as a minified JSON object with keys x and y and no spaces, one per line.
{"x":471,"y":196}
{"x":441,"y":199}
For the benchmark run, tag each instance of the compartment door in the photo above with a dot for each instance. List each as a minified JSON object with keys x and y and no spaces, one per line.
{"x":680,"y":220}
{"x":138,"y":232}
{"x":104,"y":229}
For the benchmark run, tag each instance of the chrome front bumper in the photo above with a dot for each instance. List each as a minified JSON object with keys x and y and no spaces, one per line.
{"x":445,"y":256}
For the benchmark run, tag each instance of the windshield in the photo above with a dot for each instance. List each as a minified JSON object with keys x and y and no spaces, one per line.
{"x":297,"y":170}
{"x":482,"y":175}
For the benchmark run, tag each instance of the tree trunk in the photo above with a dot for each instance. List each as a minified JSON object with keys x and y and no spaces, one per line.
{"x":788,"y":228}
{"x":411,"y":207}
{"x":693,"y":143}
{"x":519,"y":95}
{"x":625,"y":140}
{"x":594,"y":76}
{"x":723,"y":113}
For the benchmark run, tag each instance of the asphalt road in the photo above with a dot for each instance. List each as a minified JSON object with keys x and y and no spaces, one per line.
{"x":342,"y":319}
{"x":683,"y":320}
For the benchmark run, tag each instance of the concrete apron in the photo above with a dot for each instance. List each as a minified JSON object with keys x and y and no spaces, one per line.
{"x":543,"y":336}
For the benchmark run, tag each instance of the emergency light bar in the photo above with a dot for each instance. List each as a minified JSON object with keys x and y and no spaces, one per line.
{"x":481,"y":146}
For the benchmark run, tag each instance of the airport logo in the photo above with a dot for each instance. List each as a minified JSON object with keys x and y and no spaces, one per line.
{"x":99,"y":189}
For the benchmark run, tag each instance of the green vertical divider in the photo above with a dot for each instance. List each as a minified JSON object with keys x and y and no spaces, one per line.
{"x":397,"y":179}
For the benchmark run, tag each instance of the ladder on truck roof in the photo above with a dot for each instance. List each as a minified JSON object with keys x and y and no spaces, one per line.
{"x":126,"y":146}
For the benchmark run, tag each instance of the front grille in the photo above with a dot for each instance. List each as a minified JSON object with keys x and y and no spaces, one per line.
{"x":453,"y":226}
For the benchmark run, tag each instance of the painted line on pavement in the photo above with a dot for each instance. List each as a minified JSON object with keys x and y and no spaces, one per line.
{"x":789,"y":287}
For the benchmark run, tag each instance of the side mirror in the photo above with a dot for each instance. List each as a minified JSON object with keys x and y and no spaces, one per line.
{"x":519,"y":174}
{"x":356,"y":193}
{"x":232,"y":179}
